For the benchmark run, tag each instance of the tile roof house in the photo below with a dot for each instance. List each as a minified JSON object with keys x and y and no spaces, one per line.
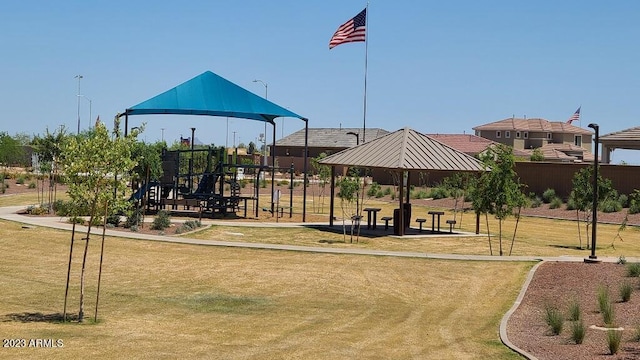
{"x":470,"y":144}
{"x":623,"y":139}
{"x":324,"y":140}
{"x":558,"y":141}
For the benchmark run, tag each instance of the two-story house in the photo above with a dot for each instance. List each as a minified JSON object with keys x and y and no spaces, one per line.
{"x":558,"y":141}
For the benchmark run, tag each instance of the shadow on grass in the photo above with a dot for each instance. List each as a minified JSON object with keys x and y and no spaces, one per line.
{"x":34,"y":317}
{"x":568,"y":247}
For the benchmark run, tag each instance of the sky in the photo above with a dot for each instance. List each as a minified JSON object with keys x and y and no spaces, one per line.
{"x":434,"y":66}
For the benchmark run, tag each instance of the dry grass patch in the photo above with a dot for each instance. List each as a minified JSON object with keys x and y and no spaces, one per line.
{"x":164,"y":300}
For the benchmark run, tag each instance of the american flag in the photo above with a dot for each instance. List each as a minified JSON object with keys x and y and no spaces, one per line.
{"x":353,"y":30}
{"x":575,"y":116}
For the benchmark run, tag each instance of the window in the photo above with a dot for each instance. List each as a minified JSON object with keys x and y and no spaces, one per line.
{"x":507,"y":134}
{"x":549,"y":137}
{"x":577,"y":140}
{"x":526,"y":135}
{"x":517,"y":134}
{"x":498,"y":134}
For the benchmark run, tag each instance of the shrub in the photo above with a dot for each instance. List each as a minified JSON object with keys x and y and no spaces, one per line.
{"x":379,"y":194}
{"x":536,"y":202}
{"x":623,"y":200}
{"x":113,"y":219}
{"x":387,"y":191}
{"x":610,"y":206}
{"x":134,"y":218}
{"x":548,"y":195}
{"x":554,"y":319}
{"x":556,"y":203}
{"x":575,"y":313}
{"x":625,"y":291}
{"x":32,"y":185}
{"x":636,"y":336}
{"x":613,"y":341}
{"x":436,"y":193}
{"x":373,"y":190}
{"x":633,"y":269}
{"x":578,"y":331}
{"x":571,"y":203}
{"x":162,"y":220}
{"x":422,"y":194}
{"x":20,"y":180}
{"x":606,"y":306}
{"x":134,"y":228}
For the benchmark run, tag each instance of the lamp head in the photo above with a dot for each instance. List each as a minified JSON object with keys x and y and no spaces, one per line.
{"x":593,"y":126}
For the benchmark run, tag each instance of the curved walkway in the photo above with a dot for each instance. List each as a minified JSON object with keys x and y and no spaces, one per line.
{"x":10,"y":213}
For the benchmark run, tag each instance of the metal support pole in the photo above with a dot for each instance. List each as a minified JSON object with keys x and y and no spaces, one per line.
{"x":593,"y":256}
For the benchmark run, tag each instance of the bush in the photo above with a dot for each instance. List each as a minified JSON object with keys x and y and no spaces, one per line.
{"x":20,"y":180}
{"x":422,"y":194}
{"x":76,"y":220}
{"x":625,"y":291}
{"x":435,"y":193}
{"x":623,"y":200}
{"x":113,"y":219}
{"x":387,"y":191}
{"x":32,"y":185}
{"x":373,"y":190}
{"x":162,"y":221}
{"x":578,"y":331}
{"x":556,"y":203}
{"x":633,"y":269}
{"x":571,"y":203}
{"x":548,"y":195}
{"x":379,"y":194}
{"x":606,"y":306}
{"x":610,"y":206}
{"x":554,"y":319}
{"x":613,"y":341}
{"x":575,"y":313}
{"x":134,"y":218}
{"x":536,"y":202}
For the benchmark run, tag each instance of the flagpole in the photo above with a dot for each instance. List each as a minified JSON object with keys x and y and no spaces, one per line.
{"x":366,"y":53}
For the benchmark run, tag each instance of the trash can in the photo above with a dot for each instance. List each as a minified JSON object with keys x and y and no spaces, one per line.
{"x":396,"y":218}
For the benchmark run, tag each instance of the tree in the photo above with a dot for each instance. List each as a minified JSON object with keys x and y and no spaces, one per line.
{"x":537,"y":155}
{"x":324,"y":175}
{"x":498,"y":191}
{"x":97,"y":166}
{"x":581,"y":197}
{"x":348,"y":194}
{"x":252,"y":148}
{"x":11,"y":152}
{"x":48,"y":149}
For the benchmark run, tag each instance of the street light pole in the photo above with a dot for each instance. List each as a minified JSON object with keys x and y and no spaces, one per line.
{"x":90,"y":104}
{"x":266,"y":96}
{"x":594,"y":210}
{"x":356,"y":135}
{"x":78,"y":77}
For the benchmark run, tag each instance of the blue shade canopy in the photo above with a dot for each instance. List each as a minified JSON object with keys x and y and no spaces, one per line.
{"x":213,"y":95}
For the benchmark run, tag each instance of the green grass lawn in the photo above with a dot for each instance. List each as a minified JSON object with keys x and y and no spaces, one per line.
{"x":162,"y":300}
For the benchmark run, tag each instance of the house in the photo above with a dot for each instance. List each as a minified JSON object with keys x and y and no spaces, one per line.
{"x":470,"y":144}
{"x":324,"y":140}
{"x":558,"y":141}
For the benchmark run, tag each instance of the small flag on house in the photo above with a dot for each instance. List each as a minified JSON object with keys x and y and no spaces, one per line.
{"x":575,"y":116}
{"x":353,"y":30}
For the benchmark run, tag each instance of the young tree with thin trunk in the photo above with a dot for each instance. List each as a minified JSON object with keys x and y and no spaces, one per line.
{"x":90,"y":163}
{"x":498,"y":191}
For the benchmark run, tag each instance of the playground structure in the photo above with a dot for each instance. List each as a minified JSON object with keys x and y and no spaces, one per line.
{"x":200,"y":180}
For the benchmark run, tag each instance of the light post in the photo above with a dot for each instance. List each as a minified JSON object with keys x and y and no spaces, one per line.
{"x":78,"y":77}
{"x":266,"y":96}
{"x":356,"y":135}
{"x":86,"y":98}
{"x":162,"y":134}
{"x":593,"y":256}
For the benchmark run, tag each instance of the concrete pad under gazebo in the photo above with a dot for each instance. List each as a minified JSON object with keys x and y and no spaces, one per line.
{"x":403,"y":151}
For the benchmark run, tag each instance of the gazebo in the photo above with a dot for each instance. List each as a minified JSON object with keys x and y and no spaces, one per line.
{"x":403,"y":151}
{"x":212,"y":95}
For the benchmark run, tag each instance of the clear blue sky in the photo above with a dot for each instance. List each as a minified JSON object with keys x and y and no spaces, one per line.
{"x":435,"y":66}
